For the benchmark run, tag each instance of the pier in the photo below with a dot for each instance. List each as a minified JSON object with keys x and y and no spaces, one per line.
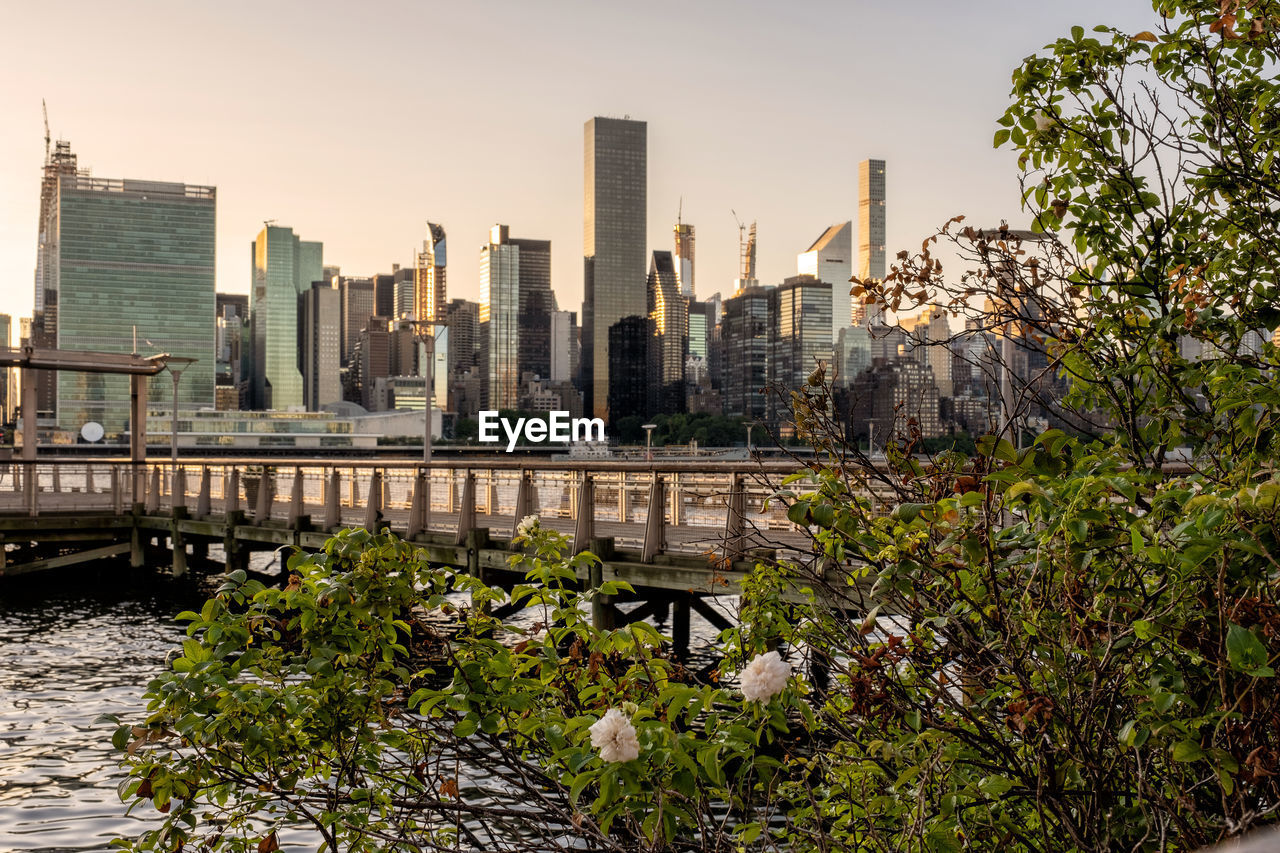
{"x":677,"y":532}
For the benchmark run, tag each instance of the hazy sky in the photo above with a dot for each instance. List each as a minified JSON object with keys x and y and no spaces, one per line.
{"x":357,"y":123}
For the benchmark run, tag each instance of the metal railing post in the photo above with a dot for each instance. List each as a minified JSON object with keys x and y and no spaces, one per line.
{"x":117,"y":497}
{"x":295,"y":497}
{"x":415,"y":504}
{"x":655,"y":524}
{"x":676,"y":510}
{"x":153,"y":492}
{"x":204,"y":502}
{"x":467,"y":511}
{"x":266,"y":495}
{"x":373,"y":508}
{"x":333,"y":500}
{"x":584,"y":530}
{"x":735,"y":521}
{"x":178,"y":488}
{"x":524,"y":500}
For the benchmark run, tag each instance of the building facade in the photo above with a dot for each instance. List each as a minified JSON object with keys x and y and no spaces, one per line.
{"x":515,"y":309}
{"x":357,"y":302}
{"x":429,"y":293}
{"x":123,"y":261}
{"x":319,"y":358}
{"x":830,"y":259}
{"x":283,"y":267}
{"x":871,"y":234}
{"x":614,"y":242}
{"x":684,"y":257}
{"x":629,"y":342}
{"x":669,"y":315}
{"x":744,"y":356}
{"x":799,"y":331}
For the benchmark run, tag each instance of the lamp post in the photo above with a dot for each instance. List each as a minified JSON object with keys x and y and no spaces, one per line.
{"x":648,"y":440}
{"x":176,"y":364}
{"x":750,"y":426}
{"x":425,"y":332}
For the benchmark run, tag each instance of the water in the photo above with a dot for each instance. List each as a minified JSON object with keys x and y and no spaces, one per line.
{"x":74,"y":646}
{"x":70,"y":651}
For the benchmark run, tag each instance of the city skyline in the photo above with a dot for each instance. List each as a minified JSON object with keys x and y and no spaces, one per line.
{"x":325,"y":166}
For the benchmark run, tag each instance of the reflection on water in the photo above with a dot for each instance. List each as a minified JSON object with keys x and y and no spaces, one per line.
{"x":69,"y":652}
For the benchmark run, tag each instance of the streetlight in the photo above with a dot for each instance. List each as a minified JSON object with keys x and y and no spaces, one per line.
{"x":424,"y":331}
{"x":750,"y":425}
{"x":176,"y":364}
{"x":648,"y":440}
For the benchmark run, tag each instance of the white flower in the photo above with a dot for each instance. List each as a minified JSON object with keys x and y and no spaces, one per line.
{"x":1044,"y":121}
{"x":764,"y":677}
{"x":527,"y":526}
{"x":615,"y":737}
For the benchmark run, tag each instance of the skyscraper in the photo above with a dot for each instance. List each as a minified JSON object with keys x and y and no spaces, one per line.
{"x":744,"y":338}
{"x":429,"y":276}
{"x":799,"y":336}
{"x":119,"y":256}
{"x":232,"y":343}
{"x":384,"y":294}
{"x":283,"y":268}
{"x":516,"y":305}
{"x":629,"y":376}
{"x":669,"y":314}
{"x":830,"y":259}
{"x":358,"y":303}
{"x":871,"y":232}
{"x":320,"y":354}
{"x":500,"y":316}
{"x":684,"y":257}
{"x":614,"y":238}
{"x":404,"y":294}
{"x":564,"y":346}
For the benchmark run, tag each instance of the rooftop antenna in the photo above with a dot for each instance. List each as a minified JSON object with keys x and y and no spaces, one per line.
{"x":267,"y":223}
{"x":680,"y":211}
{"x":45,"y":109}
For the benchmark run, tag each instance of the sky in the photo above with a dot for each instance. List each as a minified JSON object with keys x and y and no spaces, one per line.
{"x":355,"y":124}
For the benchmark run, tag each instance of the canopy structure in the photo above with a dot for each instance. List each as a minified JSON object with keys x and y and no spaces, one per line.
{"x":136,"y":367}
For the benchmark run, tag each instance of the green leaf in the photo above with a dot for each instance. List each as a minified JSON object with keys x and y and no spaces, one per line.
{"x":1246,"y":652}
{"x":994,"y":786}
{"x":1187,"y":750}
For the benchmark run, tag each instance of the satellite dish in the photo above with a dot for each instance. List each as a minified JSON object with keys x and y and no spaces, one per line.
{"x":91,"y":432}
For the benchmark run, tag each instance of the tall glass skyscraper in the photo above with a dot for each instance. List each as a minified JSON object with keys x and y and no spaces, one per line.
{"x":283,"y":268}
{"x":669,"y":315}
{"x":614,"y":238}
{"x":515,"y":310}
{"x":126,"y":260}
{"x":871,"y":230}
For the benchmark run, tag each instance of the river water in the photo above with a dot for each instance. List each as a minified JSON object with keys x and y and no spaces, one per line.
{"x":74,"y":646}
{"x":71,"y":649}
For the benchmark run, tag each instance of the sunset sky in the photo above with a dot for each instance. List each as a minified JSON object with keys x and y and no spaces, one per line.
{"x":357,"y":123}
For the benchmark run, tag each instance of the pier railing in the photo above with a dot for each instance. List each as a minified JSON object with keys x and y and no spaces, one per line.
{"x":689,"y":507}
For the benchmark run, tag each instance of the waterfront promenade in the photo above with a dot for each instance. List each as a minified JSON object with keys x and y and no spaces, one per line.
{"x":677,"y":531}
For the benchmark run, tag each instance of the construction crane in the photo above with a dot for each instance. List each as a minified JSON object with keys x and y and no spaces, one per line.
{"x":44,"y":107}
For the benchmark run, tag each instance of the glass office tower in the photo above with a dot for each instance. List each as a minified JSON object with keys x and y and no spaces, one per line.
{"x":283,"y":268}
{"x":133,"y":260}
{"x":614,"y":238}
